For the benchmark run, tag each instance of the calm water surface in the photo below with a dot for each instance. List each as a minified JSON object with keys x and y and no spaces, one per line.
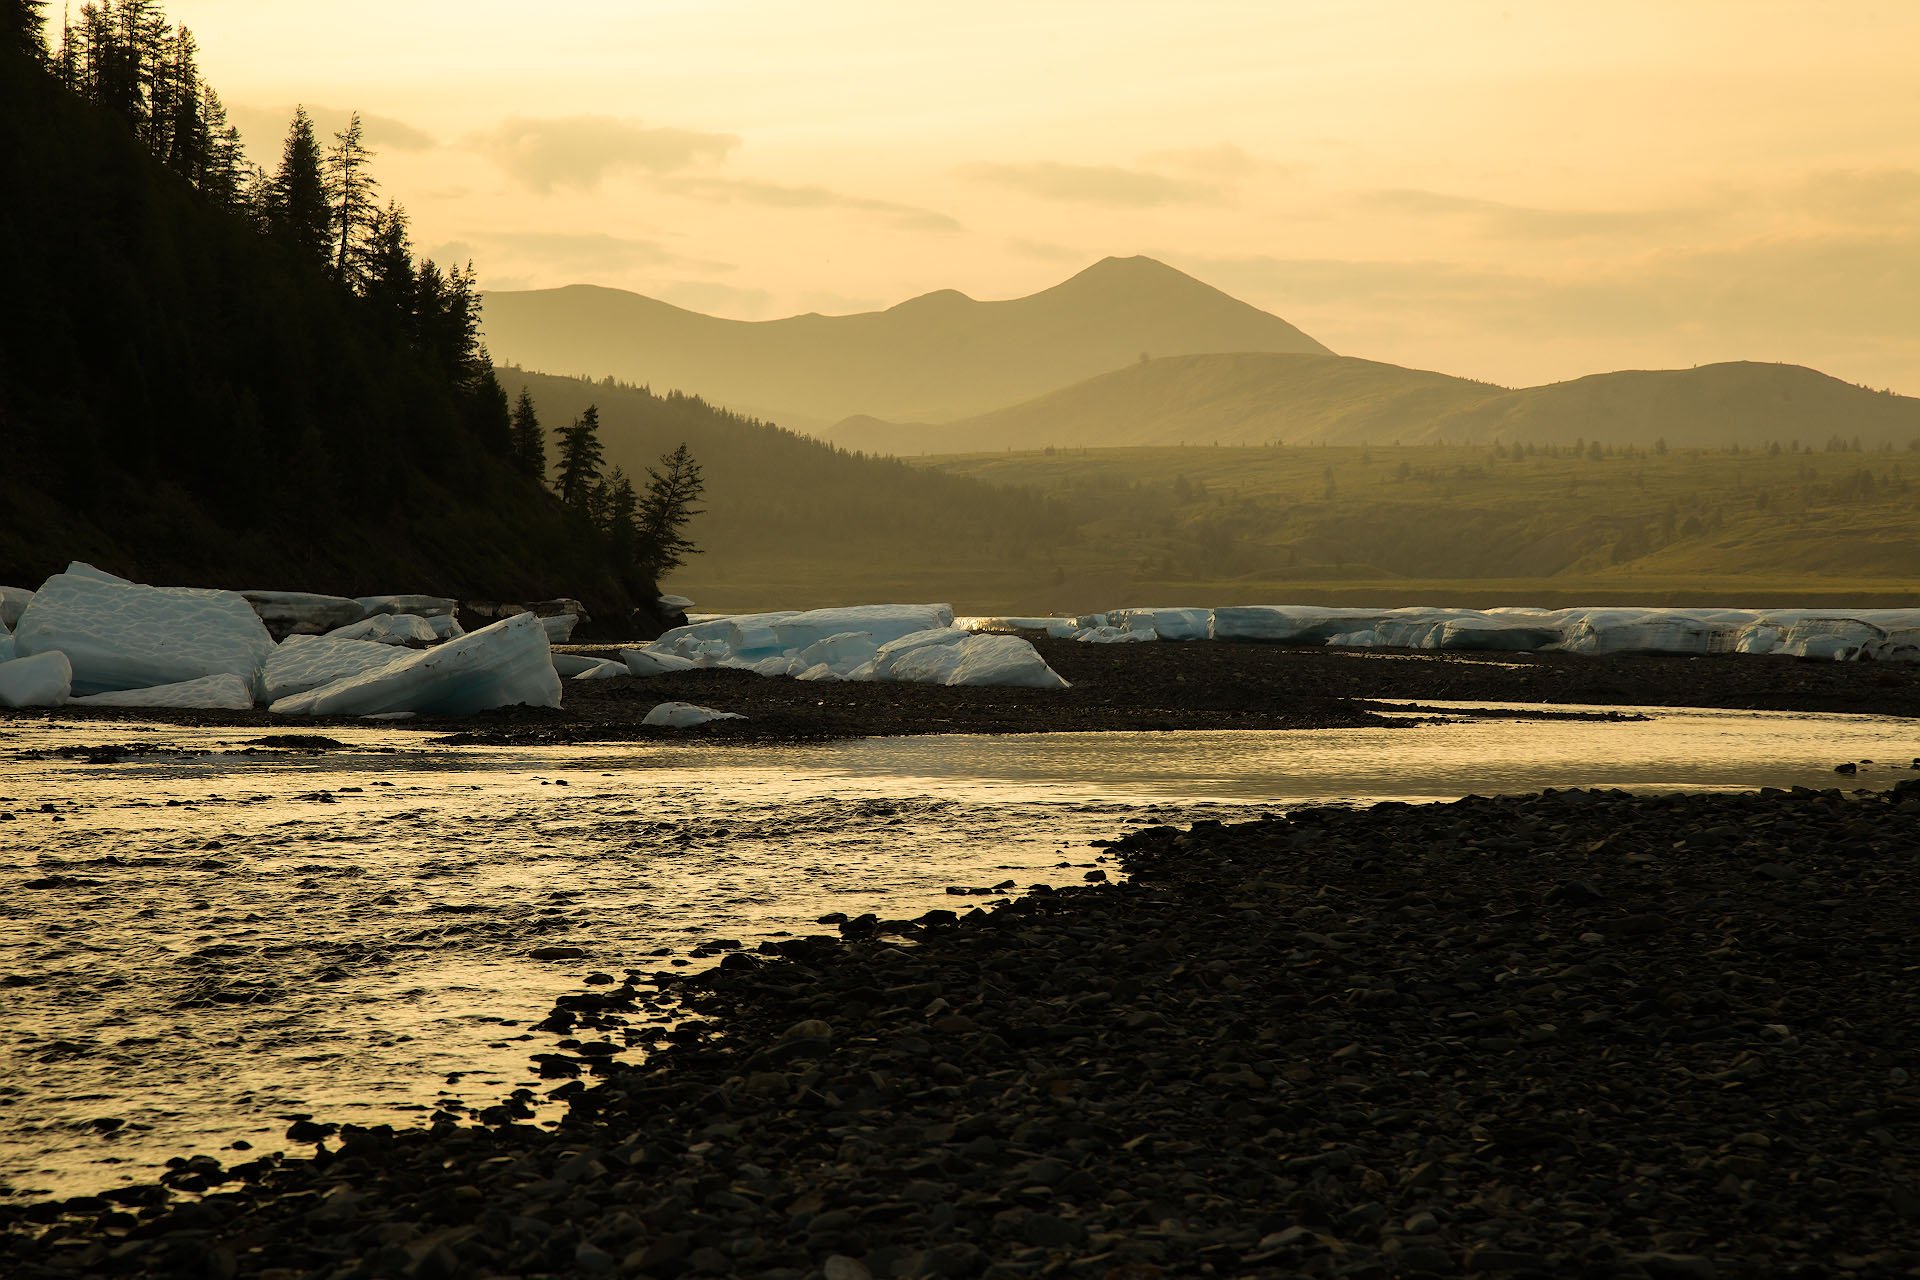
{"x":203,"y":936}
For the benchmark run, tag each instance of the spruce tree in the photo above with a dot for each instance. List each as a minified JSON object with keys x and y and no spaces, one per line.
{"x":529,"y":440}
{"x":671,"y":492}
{"x":298,"y":212}
{"x":622,"y":516}
{"x":390,"y":283}
{"x":580,"y":459}
{"x":351,"y":188}
{"x":22,"y":27}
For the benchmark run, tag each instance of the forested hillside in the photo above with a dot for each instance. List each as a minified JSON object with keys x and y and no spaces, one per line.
{"x":219,"y":376}
{"x":791,"y":521}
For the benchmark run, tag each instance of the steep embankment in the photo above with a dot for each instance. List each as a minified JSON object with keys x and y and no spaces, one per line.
{"x":1257,"y":399}
{"x":942,"y":355}
{"x":184,"y":402}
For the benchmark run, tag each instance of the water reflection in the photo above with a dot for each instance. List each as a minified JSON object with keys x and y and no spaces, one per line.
{"x":202,"y":936}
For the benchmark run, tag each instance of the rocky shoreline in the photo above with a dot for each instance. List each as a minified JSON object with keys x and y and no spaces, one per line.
{"x":1578,"y":1033}
{"x":1139,"y":688}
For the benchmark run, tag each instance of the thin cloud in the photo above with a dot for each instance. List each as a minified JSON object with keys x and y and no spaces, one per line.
{"x":783,"y":196}
{"x":264,"y":127}
{"x":1107,"y":185}
{"x":714,"y":298}
{"x":1224,"y":161}
{"x":1045,"y":250}
{"x":1521,"y":221}
{"x":590,"y":251}
{"x":580,"y":151}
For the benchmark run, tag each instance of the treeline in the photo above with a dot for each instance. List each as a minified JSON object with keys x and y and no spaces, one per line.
{"x":242,"y":378}
{"x":647,"y":529}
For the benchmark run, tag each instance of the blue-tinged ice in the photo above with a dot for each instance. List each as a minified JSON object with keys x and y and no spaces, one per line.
{"x":505,"y":664}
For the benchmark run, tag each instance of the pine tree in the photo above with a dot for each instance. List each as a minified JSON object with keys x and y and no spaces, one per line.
{"x":390,"y":283}
{"x":224,"y":169}
{"x":664,"y":512}
{"x":351,"y":188}
{"x":297,"y":212}
{"x":622,"y":516}
{"x":580,"y":458}
{"x":22,"y":27}
{"x":529,"y":440}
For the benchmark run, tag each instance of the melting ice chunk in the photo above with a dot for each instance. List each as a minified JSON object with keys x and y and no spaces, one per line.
{"x":502,"y":665}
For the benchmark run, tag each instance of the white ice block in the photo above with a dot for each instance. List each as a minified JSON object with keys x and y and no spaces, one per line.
{"x":652,"y":662}
{"x":225,"y":692}
{"x":13,"y":603}
{"x":301,"y":613}
{"x":301,"y":663}
{"x":43,"y":680}
{"x":506,"y":664}
{"x":419,"y":606}
{"x":684,"y":715}
{"x":120,"y":635}
{"x":388,"y":628}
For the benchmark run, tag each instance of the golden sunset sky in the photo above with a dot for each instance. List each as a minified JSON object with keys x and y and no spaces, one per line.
{"x":1517,"y":192}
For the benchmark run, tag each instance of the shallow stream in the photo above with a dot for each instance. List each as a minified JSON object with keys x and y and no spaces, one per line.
{"x":205,"y":933}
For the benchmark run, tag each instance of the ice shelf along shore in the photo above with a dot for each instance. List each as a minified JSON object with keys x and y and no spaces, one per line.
{"x":87,"y":638}
{"x":1823,"y":633}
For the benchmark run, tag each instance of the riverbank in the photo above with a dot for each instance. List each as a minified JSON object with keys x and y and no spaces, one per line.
{"x":1146,"y":688}
{"x":1576,"y":1033}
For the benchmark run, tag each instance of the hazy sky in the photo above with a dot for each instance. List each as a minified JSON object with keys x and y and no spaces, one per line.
{"x":1520,"y":192}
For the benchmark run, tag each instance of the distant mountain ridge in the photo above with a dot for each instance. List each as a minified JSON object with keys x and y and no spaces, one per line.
{"x":939,"y":356}
{"x":1258,"y":398}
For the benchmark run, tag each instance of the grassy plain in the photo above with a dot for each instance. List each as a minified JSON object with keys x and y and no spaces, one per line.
{"x":1397,"y":525}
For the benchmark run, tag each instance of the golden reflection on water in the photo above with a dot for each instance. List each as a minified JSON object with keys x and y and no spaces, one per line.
{"x":202,"y":938}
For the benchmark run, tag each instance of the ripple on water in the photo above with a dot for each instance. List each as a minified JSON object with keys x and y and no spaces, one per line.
{"x":202,"y":939}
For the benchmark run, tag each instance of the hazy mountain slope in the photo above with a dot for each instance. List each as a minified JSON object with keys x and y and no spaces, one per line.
{"x":1712,"y":406}
{"x":789,"y":521}
{"x":1249,"y":399}
{"x":939,"y":356}
{"x":1245,"y":398}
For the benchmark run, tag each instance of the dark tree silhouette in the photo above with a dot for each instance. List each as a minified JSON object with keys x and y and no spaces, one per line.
{"x":620,"y":514}
{"x":22,"y":27}
{"x":672,"y":489}
{"x":351,"y":189}
{"x":580,"y":458}
{"x":298,"y":213}
{"x":529,"y":440}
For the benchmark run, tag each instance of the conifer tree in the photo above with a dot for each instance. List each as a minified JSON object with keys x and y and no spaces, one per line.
{"x":297,"y":211}
{"x":529,"y":440}
{"x":22,"y":27}
{"x":622,"y":518}
{"x":580,"y":458}
{"x":390,"y":283}
{"x":671,"y":492}
{"x":351,"y":188}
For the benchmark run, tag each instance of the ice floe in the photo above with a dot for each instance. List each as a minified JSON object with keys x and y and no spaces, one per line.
{"x":1802,"y":633}
{"x":685,"y":715}
{"x":13,"y":603}
{"x":307,"y":662}
{"x":389,"y":628}
{"x":120,"y":635}
{"x":289,"y":613}
{"x":915,"y":643}
{"x":505,"y":664}
{"x":43,"y":680}
{"x":225,"y":692}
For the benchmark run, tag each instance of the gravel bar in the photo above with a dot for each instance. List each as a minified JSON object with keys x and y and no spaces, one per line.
{"x":1580,"y":1033}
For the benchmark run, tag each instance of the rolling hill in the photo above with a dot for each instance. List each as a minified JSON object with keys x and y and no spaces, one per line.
{"x":939,"y":356}
{"x":1258,"y":398}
